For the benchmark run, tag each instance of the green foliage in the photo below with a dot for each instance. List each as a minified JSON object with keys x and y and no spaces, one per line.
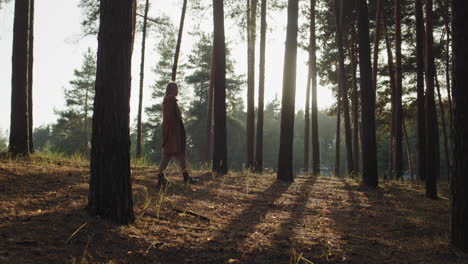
{"x":3,"y":142}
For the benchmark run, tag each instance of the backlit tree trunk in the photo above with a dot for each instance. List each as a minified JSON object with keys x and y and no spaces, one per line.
{"x":368,"y":139}
{"x":209,"y":122}
{"x":313,"y":61}
{"x":338,"y":130}
{"x":30,"y":76}
{"x":219,"y":102}
{"x":251,"y":30}
{"x":432,"y":137}
{"x":421,"y":122}
{"x":261,"y":90}
{"x":444,"y":127}
{"x":398,"y":95}
{"x":355,"y":101}
{"x":110,"y":188}
{"x":142,"y":76}
{"x":179,"y":41}
{"x":19,"y":123}
{"x":285,"y":157}
{"x":459,"y":182}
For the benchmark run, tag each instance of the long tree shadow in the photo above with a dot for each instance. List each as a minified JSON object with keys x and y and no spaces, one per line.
{"x":224,"y":245}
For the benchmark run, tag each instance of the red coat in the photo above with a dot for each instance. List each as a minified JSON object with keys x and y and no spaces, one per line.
{"x":173,"y":130}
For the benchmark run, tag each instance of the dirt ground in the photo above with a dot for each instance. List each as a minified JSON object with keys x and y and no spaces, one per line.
{"x":236,"y":218}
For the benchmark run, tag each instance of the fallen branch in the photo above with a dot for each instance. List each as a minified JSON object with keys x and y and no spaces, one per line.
{"x":192,"y":214}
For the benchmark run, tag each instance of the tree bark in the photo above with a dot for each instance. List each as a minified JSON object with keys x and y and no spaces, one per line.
{"x":313,"y":61}
{"x":459,"y":182}
{"x":369,"y":147}
{"x":285,"y":157}
{"x":209,"y":123}
{"x":30,"y":76}
{"x":19,"y":133}
{"x":220,"y":164}
{"x":179,"y":41}
{"x":142,"y":76}
{"x":251,"y":30}
{"x":398,"y":95}
{"x":408,"y":151}
{"x":342,"y":85}
{"x":420,"y":33}
{"x":355,"y":102}
{"x":338,"y":130}
{"x":447,"y":61}
{"x":110,"y":188}
{"x":432,"y":137}
{"x":261,"y":90}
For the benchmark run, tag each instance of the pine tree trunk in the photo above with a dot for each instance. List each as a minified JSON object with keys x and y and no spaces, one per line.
{"x":307,"y":108}
{"x":398,"y":96}
{"x":408,"y":151}
{"x":447,"y":61}
{"x":378,"y":21}
{"x":355,"y":102}
{"x":142,"y":76}
{"x":209,"y":122}
{"x":338,"y":130}
{"x":343,"y":87}
{"x":251,"y":30}
{"x":444,"y":128}
{"x":432,"y":137}
{"x":19,"y":142}
{"x":391,"y":73}
{"x":285,"y":157}
{"x":30,"y":76}
{"x":220,"y":164}
{"x":110,"y":188}
{"x":459,"y":182}
{"x":369,"y":147}
{"x":420,"y":36}
{"x":179,"y":41}
{"x":261,"y":90}
{"x":313,"y":61}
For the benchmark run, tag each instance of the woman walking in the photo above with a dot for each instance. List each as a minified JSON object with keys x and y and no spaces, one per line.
{"x":173,"y":135}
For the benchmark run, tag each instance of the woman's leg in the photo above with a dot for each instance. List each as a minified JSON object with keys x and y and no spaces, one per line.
{"x":182,"y":160}
{"x":164,"y":162}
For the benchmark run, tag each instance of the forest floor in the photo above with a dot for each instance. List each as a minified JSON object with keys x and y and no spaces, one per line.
{"x":235,"y":218}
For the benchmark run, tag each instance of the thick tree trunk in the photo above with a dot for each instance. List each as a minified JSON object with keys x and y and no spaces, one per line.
{"x":432,"y":137}
{"x":444,"y":128}
{"x":261,"y":90}
{"x":338,"y":131}
{"x":219,"y":106}
{"x":19,"y":139}
{"x":142,"y":76}
{"x":459,"y":182}
{"x":369,"y":147}
{"x":420,"y":35}
{"x":355,"y":102}
{"x":251,"y":30}
{"x":343,"y":87}
{"x":30,"y":76}
{"x":285,"y":157}
{"x":179,"y":41}
{"x":313,"y":61}
{"x":398,"y":96}
{"x":209,"y":119}
{"x":110,"y":188}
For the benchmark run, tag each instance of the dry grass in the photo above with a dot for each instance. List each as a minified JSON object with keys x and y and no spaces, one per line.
{"x":236,"y":218}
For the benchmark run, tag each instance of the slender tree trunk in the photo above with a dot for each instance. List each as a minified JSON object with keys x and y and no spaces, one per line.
{"x":408,"y":151}
{"x":369,"y":145}
{"x":219,"y":102}
{"x":313,"y":61}
{"x":285,"y":157}
{"x":209,"y":123}
{"x":261,"y":90}
{"x":398,"y":96}
{"x":432,"y":137}
{"x":421,"y":150}
{"x":85,"y":121}
{"x":251,"y":29}
{"x":355,"y":102}
{"x":19,"y":139}
{"x":459,"y":181}
{"x":444,"y":128}
{"x":307,"y":109}
{"x":378,"y":27}
{"x":391,"y":73}
{"x":142,"y":76}
{"x":110,"y":187}
{"x":338,"y":131}
{"x":447,"y":61}
{"x":343,"y":86}
{"x":179,"y":41}
{"x":30,"y":76}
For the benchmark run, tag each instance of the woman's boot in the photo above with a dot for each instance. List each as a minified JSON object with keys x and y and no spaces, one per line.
{"x":188,"y":179}
{"x":162,"y":180}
